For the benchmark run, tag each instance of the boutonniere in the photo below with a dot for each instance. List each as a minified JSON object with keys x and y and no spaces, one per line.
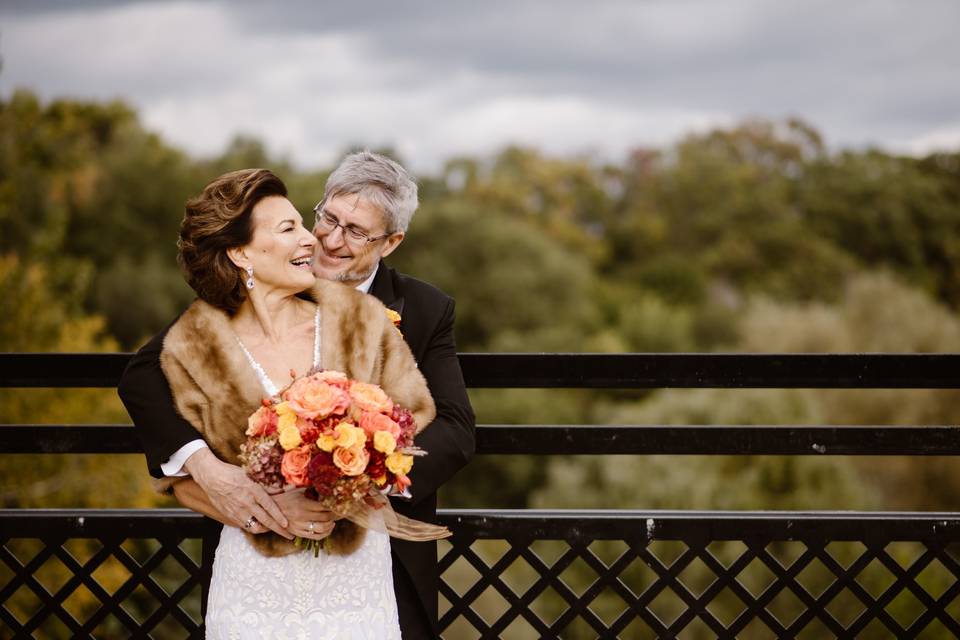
{"x":395,"y":319}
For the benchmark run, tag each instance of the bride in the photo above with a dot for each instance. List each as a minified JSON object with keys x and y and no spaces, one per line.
{"x":262,"y":320}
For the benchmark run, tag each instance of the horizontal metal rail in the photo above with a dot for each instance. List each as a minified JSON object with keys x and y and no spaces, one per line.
{"x":657,"y":590}
{"x":554,"y":524}
{"x":585,"y":371}
{"x":579,"y":439}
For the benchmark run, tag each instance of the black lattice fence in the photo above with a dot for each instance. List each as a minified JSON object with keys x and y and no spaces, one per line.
{"x":531,"y":574}
{"x":106,"y":574}
{"x":701,"y":575}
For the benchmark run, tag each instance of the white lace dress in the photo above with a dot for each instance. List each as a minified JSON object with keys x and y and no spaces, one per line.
{"x":298,"y":596}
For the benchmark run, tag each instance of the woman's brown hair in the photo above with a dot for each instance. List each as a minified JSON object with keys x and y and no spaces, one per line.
{"x":220,"y":218}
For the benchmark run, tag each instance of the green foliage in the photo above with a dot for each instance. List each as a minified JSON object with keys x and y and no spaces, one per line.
{"x":513,"y":283}
{"x":751,"y":238}
{"x":39,"y":320}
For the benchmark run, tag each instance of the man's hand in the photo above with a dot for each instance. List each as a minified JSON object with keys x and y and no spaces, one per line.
{"x":235,"y":495}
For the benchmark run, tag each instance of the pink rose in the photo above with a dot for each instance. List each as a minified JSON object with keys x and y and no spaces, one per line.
{"x":352,"y":461}
{"x":262,"y":422}
{"x":372,"y":422}
{"x":370,"y":397}
{"x":294,"y":465}
{"x":311,"y":398}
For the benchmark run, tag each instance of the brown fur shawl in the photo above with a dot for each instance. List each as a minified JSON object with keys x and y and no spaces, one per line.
{"x":215,"y":388}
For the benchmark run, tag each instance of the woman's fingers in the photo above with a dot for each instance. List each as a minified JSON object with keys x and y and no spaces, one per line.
{"x":297,"y":507}
{"x":318,"y":531}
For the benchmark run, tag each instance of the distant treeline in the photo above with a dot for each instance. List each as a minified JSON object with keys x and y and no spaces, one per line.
{"x":757,"y":237}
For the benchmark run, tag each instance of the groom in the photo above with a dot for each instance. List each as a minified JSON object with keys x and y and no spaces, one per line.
{"x":367,"y":204}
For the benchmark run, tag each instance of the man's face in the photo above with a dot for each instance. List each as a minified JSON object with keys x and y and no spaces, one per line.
{"x":340,"y":257}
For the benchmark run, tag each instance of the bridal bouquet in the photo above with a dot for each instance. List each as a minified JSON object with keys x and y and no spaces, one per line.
{"x":343,"y":440}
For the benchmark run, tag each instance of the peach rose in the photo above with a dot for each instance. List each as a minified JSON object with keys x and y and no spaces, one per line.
{"x":311,"y":398}
{"x":399,"y":463}
{"x":262,"y":422}
{"x":384,"y":442}
{"x":370,"y":397}
{"x":294,"y":464}
{"x":352,"y":461}
{"x":372,"y":422}
{"x":333,"y":378}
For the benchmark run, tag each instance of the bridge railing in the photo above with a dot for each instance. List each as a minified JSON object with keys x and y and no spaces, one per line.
{"x":527,"y":573}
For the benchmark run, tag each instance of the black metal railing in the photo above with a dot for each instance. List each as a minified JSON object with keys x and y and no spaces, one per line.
{"x":520,"y":574}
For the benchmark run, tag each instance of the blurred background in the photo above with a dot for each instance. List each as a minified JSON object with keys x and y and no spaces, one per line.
{"x":595,"y":177}
{"x":682,"y":176}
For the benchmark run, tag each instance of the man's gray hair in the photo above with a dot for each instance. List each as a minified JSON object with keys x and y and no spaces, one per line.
{"x":379,"y":180}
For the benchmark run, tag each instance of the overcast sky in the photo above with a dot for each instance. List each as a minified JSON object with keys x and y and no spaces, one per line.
{"x":438,"y":79}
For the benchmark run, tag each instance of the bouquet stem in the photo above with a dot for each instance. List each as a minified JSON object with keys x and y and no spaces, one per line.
{"x":311,"y":545}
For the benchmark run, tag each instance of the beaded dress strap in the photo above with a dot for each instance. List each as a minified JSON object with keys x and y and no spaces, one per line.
{"x":265,"y":380}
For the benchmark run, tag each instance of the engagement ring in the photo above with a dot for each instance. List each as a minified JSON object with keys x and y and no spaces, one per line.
{"x":250,"y":522}
{"x":310,"y":527}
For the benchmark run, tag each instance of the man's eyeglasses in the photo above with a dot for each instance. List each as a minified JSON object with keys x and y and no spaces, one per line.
{"x":352,"y":235}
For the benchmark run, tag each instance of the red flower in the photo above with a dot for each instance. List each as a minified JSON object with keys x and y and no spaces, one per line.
{"x":323,"y":474}
{"x":308,"y":431}
{"x":377,"y":467}
{"x":407,"y":427}
{"x":327,"y":424}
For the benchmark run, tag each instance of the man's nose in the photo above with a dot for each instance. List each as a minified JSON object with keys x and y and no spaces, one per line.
{"x":334,"y":237}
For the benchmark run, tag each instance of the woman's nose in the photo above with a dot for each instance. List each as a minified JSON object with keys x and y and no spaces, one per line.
{"x":308,"y":239}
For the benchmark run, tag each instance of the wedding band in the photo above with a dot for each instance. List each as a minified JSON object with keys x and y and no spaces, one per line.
{"x":250,"y":522}
{"x":310,"y":528}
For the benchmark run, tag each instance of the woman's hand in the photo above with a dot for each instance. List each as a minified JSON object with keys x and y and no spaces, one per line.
{"x":305,"y":517}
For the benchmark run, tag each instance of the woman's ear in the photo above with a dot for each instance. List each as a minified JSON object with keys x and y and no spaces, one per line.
{"x":238,"y":256}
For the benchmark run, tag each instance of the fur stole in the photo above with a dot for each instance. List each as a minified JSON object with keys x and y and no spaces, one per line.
{"x":215,"y":388}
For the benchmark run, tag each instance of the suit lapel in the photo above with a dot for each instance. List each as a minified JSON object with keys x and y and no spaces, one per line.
{"x":383,"y":289}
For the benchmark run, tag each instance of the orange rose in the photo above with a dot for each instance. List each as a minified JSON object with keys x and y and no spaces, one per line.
{"x":372,"y":422}
{"x":294,"y":464}
{"x":311,"y":398}
{"x":370,"y":397}
{"x":352,"y":461}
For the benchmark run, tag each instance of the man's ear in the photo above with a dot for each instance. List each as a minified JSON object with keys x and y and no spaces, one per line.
{"x":392,"y":243}
{"x":238,"y":256}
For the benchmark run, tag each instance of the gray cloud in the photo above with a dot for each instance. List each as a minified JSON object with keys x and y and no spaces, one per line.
{"x":457,"y":77}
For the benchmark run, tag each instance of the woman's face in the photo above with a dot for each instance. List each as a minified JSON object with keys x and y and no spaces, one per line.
{"x":281,"y":250}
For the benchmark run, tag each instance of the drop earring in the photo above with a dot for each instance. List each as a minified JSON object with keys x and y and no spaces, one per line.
{"x":249,"y":278}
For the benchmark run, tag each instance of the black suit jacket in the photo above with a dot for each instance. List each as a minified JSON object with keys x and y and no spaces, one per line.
{"x":427,"y":317}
